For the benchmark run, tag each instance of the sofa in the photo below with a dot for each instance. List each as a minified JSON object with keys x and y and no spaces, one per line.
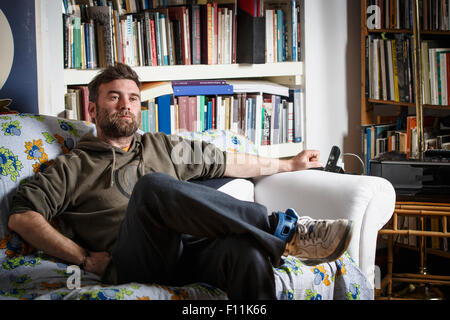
{"x":30,"y":142}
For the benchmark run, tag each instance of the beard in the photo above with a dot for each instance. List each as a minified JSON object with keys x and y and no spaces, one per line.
{"x":113,"y":126}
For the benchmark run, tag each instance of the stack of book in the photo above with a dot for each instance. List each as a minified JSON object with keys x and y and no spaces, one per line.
{"x":436,"y":73}
{"x":283,"y":34}
{"x":390,"y":68}
{"x":401,"y":137}
{"x":152,"y":33}
{"x":264,"y":112}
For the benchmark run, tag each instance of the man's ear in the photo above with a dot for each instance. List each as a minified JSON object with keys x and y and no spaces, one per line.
{"x":92,"y":110}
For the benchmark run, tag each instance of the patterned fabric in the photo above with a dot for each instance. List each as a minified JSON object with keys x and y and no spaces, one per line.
{"x":29,"y":143}
{"x":224,"y":140}
{"x":38,"y":276}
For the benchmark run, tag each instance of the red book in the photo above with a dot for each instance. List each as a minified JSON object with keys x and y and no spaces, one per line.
{"x":213,"y":114}
{"x":84,"y":103}
{"x":192,"y":117}
{"x":249,"y":6}
{"x":152,"y":30}
{"x":183,"y":114}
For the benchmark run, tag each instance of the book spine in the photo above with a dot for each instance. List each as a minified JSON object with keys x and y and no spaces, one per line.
{"x":196,"y":40}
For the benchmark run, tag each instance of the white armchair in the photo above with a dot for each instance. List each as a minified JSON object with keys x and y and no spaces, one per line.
{"x":368,"y":201}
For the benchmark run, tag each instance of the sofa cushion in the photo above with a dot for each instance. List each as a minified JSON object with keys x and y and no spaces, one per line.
{"x":28,"y":144}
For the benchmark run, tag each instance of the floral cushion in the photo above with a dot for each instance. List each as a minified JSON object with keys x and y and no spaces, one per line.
{"x":29,"y":143}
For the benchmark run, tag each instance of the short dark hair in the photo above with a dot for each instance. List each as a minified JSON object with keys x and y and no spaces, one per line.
{"x":111,"y":73}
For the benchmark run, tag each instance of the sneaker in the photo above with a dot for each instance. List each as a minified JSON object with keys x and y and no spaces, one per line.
{"x":319,"y":241}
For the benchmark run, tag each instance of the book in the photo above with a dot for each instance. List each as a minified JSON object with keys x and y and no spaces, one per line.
{"x":197,"y":82}
{"x":260,"y":86}
{"x":196,"y":34}
{"x":250,"y":42}
{"x":193,"y":90}
{"x":181,"y":14}
{"x":164,"y":116}
{"x":151,"y":90}
{"x":84,"y":103}
{"x":103,"y":16}
{"x":296,"y":97}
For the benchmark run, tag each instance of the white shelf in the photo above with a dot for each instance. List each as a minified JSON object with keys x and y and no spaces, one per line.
{"x":290,"y":73}
{"x":280,"y":150}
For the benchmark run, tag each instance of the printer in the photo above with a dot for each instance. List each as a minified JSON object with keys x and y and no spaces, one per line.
{"x":414,"y":177}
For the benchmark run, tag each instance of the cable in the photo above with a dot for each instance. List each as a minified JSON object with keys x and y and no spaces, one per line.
{"x":360,"y":160}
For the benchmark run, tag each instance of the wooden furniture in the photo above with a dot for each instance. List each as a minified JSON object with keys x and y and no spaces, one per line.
{"x":421,"y":210}
{"x":411,"y":72}
{"x":379,"y":22}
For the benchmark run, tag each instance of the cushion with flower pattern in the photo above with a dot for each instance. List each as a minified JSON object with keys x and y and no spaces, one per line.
{"x":28,"y":144}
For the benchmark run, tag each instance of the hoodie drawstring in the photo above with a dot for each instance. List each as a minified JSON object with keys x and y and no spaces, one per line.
{"x":113,"y":168}
{"x":113,"y":165}
{"x":141,"y":159}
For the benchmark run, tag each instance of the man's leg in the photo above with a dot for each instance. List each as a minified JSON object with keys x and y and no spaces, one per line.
{"x":162,"y":208}
{"x":234,"y":264}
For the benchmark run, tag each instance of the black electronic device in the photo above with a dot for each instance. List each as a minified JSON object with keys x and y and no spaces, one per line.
{"x":414,"y":177}
{"x":333,"y":158}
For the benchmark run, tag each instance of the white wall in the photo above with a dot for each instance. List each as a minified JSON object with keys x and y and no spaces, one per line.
{"x":332,"y":79}
{"x":50,"y":57}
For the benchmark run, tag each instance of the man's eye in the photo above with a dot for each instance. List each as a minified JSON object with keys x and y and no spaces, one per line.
{"x":114,"y":98}
{"x":134,"y":99}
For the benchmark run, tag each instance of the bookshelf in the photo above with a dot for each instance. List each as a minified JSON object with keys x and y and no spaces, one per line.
{"x":396,"y":27}
{"x":288,"y":73}
{"x":402,"y":78}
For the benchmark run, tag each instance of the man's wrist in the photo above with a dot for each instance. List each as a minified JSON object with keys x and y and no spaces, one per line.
{"x":82,"y":265}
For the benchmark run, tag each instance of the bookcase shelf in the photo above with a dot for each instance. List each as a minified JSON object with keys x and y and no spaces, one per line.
{"x":289,"y":73}
{"x":407,"y":104}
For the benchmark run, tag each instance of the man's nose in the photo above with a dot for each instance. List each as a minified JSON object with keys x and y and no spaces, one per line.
{"x":124,"y":103}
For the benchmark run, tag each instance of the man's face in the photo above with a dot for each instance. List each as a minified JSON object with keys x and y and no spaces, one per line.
{"x":117,"y":112}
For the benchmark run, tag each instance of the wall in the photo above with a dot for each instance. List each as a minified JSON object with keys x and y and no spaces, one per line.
{"x":50,"y":57}
{"x":19,"y":78}
{"x":332,"y":66}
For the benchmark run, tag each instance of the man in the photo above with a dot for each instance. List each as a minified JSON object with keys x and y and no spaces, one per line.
{"x":126,"y":212}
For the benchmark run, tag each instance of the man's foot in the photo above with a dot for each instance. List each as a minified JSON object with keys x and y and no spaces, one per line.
{"x":319,"y":241}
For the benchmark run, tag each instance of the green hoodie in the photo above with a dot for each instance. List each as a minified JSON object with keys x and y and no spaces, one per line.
{"x":87,"y":190}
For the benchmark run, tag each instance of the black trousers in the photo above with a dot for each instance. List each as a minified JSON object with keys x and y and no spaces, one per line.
{"x":177,"y":233}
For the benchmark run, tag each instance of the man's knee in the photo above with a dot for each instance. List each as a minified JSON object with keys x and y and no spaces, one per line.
{"x":153,"y":181}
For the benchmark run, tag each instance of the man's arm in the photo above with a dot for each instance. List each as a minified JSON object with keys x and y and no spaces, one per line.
{"x":34,"y":229}
{"x":248,"y":166}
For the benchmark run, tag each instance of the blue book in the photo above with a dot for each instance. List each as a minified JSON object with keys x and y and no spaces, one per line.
{"x":369,"y":147}
{"x":164,"y":113}
{"x":202,"y":90}
{"x":210,"y":106}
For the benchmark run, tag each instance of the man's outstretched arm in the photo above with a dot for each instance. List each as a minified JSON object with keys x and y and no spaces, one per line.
{"x":247,"y":166}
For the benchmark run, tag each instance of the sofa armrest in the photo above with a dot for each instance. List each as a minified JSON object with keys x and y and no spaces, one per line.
{"x":368,"y":201}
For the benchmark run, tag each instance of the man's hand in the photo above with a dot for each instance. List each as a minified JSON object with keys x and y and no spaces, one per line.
{"x":305,"y":160}
{"x":97,"y":262}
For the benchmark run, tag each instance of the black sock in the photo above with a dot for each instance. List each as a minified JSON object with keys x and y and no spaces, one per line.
{"x":273,"y":221}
